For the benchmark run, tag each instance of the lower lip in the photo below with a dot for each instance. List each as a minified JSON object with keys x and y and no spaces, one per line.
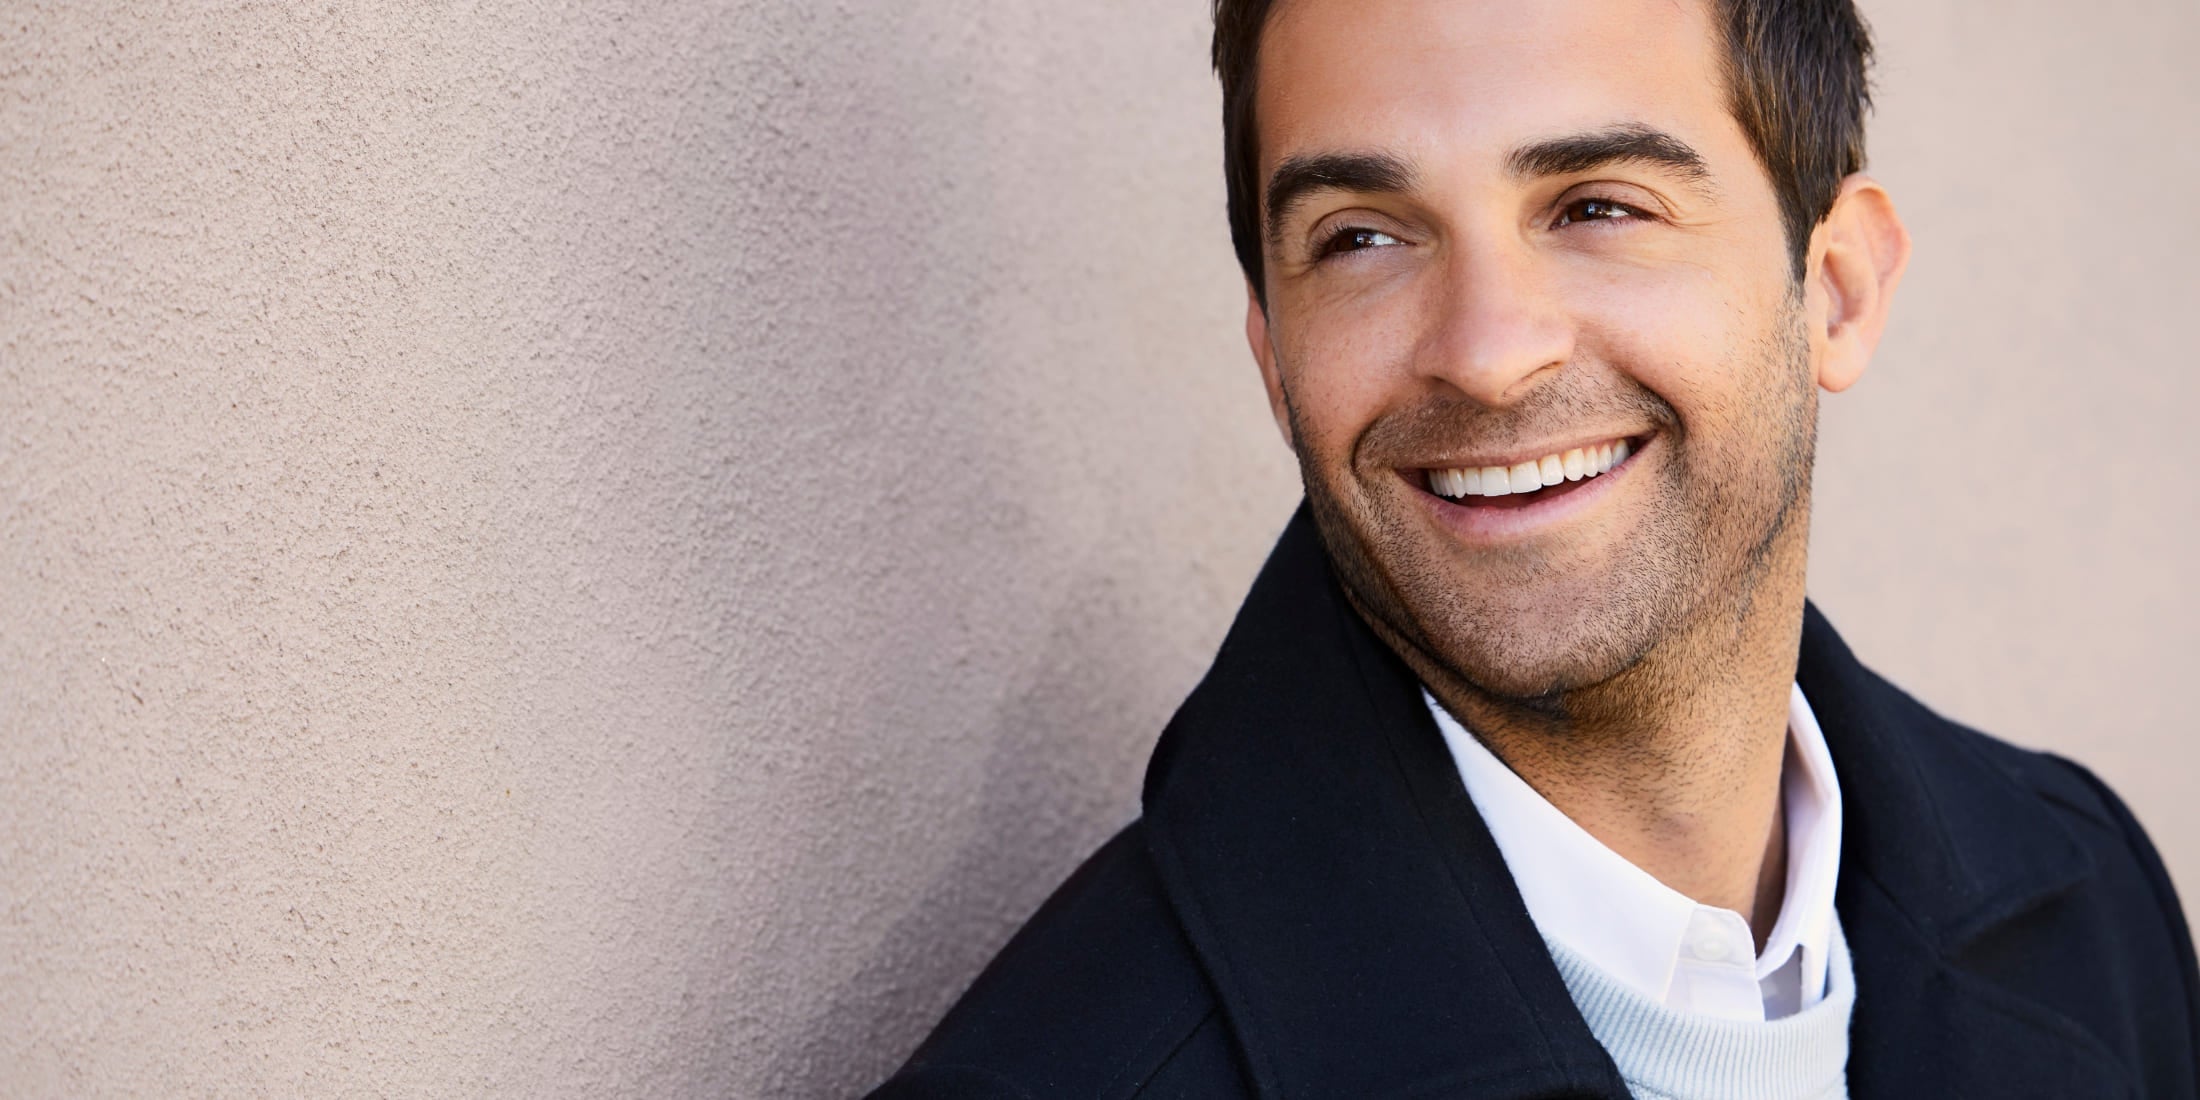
{"x":1495,"y":525}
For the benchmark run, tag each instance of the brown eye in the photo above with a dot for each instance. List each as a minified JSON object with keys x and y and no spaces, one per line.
{"x":1596,"y":210}
{"x":1356,"y":239}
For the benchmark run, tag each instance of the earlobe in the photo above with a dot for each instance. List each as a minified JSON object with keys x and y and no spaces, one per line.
{"x":1860,"y":260}
{"x":1264,"y":353}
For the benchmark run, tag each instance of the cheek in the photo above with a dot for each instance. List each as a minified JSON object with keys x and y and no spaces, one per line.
{"x":1342,"y":366}
{"x":1680,"y":334}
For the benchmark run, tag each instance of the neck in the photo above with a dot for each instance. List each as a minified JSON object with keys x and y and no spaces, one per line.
{"x":1675,"y":764}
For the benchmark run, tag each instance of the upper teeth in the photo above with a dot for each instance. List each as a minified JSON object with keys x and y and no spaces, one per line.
{"x":1527,"y":477}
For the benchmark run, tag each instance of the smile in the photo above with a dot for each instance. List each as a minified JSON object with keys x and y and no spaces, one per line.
{"x":1530,"y":477}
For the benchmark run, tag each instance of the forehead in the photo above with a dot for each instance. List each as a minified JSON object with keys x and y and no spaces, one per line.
{"x":1435,"y":79}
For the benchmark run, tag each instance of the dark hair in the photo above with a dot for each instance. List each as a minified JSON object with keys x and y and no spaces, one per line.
{"x":1796,"y":83}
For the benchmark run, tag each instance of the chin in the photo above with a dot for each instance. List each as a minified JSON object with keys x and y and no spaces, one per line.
{"x":1529,"y":653}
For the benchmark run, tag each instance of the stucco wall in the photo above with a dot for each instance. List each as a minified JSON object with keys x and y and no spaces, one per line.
{"x":570,"y":549}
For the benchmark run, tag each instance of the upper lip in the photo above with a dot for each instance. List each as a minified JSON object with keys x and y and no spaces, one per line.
{"x":1524,"y":454}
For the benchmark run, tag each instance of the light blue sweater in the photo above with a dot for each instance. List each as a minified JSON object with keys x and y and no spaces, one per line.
{"x":1668,"y":1055}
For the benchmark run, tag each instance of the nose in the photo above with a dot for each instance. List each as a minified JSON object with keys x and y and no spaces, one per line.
{"x":1499,"y":329}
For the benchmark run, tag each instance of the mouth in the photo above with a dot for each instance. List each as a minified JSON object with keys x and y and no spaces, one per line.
{"x":1528,"y":482}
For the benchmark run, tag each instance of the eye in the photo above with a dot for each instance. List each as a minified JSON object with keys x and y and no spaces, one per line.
{"x":1354,"y":239}
{"x":1595,"y":210}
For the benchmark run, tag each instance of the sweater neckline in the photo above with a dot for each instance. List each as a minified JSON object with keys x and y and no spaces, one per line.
{"x":1664,"y":1053}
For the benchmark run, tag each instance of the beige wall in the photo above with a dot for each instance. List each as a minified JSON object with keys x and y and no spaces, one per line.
{"x":592,"y":549}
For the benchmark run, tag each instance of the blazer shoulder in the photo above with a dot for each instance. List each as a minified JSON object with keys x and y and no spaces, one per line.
{"x":2137,"y":914}
{"x":2071,"y":785}
{"x":2072,"y":791}
{"x":2088,"y":808}
{"x":1098,"y":995}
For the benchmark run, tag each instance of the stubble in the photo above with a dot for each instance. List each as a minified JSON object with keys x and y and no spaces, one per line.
{"x":1728,"y":526}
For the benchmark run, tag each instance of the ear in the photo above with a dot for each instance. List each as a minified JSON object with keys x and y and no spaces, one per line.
{"x":1858,"y":254}
{"x":1264,"y":353}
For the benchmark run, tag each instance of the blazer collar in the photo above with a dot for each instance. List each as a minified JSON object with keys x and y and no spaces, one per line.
{"x":1942,"y":848}
{"x":1953,"y":840}
{"x":1348,"y":903}
{"x":1359,"y":925}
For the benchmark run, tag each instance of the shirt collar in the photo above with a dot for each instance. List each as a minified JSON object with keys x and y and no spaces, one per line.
{"x":1573,"y":884}
{"x":1810,"y":794}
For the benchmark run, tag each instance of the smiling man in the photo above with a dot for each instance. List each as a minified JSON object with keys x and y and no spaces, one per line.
{"x":1527,"y":770}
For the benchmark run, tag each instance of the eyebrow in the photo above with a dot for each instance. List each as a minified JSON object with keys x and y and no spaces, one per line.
{"x":1626,"y":143}
{"x":1383,"y":174}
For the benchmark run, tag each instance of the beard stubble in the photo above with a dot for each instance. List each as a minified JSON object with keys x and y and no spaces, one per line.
{"x":1728,"y":514}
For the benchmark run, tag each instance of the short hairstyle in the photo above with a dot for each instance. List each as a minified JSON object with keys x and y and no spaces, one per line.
{"x":1797,"y":83}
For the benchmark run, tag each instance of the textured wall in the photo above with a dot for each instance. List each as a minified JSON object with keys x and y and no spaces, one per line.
{"x":618,"y":549}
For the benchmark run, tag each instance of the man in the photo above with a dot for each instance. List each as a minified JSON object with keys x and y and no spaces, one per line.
{"x":1526,"y":770}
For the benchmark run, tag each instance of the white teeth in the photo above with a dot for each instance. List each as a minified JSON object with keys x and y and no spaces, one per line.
{"x":1552,"y":469}
{"x":1527,"y":477}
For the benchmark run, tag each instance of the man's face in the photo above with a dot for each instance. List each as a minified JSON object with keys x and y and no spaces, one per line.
{"x":1511,"y":229}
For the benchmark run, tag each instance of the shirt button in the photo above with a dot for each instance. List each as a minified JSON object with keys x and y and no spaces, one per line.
{"x":1710,"y":949}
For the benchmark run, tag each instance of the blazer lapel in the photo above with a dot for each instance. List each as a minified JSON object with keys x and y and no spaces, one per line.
{"x":1349,"y":905}
{"x":1941,"y":848}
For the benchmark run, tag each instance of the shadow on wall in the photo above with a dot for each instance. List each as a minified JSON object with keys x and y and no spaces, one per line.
{"x":1034,"y":814}
{"x":943,"y":700}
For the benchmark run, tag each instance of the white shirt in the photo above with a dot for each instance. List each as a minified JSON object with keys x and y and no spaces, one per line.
{"x":1657,"y":941}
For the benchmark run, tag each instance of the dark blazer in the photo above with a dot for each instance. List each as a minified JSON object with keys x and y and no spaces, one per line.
{"x":1311,"y":907}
